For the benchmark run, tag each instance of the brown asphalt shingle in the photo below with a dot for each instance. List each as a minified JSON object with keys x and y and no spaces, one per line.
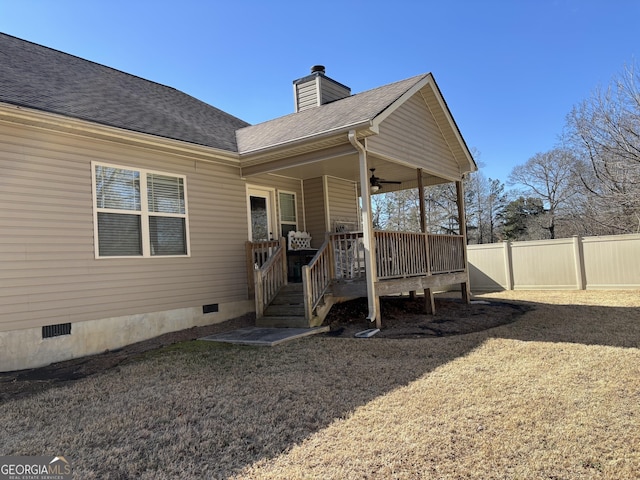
{"x":353,"y":110}
{"x":52,"y":81}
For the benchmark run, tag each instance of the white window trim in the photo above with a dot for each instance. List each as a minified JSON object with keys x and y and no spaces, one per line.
{"x":144,"y":212}
{"x":295,"y":206}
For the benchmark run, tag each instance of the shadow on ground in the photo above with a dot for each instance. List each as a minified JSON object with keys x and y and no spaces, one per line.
{"x":212,"y":410}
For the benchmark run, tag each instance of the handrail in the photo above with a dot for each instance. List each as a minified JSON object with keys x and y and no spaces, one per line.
{"x":257,"y":253}
{"x":316,"y":278}
{"x":270,"y":276}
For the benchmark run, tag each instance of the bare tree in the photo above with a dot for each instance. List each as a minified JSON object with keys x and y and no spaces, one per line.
{"x":550,"y":177}
{"x":399,"y":211}
{"x":604,"y":132}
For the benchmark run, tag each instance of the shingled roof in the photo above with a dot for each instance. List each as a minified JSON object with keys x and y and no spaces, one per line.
{"x":52,"y":81}
{"x":339,"y":115}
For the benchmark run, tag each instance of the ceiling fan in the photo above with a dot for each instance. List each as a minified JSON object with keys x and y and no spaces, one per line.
{"x":376,"y":182}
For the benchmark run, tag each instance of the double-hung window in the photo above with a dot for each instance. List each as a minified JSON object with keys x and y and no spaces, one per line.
{"x":139,"y":213}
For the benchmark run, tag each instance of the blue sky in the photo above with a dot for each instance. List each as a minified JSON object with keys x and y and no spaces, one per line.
{"x":510,"y":71}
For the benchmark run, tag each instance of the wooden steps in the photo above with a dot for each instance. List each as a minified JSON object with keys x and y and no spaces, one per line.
{"x":287,"y":310}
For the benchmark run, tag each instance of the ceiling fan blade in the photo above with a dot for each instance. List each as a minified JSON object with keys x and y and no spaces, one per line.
{"x":377,"y":181}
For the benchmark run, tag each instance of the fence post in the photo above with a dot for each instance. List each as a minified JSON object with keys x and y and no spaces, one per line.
{"x":578,"y":256}
{"x":508,"y":265}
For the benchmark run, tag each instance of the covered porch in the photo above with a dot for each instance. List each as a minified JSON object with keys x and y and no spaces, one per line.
{"x":397,"y":137}
{"x":349,"y":265}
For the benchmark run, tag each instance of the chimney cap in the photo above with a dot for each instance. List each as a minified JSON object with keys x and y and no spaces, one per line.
{"x":318,"y":69}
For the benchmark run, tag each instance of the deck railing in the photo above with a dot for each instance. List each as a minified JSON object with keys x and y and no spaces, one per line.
{"x":446,"y":253}
{"x":269,"y":271}
{"x":316,"y":278}
{"x":341,"y":257}
{"x":398,"y":254}
{"x":348,"y":254}
{"x":401,"y":254}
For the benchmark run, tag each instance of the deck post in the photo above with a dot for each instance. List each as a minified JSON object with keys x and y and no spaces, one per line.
{"x":332,"y":260}
{"x":250,"y":268}
{"x":306,"y":289}
{"x":423,"y":214}
{"x":429,"y":304}
{"x":285,"y":272}
{"x":423,"y":220}
{"x":259,"y":293}
{"x":462,"y":221}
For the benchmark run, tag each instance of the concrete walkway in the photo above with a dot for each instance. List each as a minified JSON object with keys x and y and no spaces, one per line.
{"x":261,"y":336}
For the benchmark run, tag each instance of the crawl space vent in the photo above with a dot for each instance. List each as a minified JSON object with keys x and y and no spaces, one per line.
{"x":49,"y":331}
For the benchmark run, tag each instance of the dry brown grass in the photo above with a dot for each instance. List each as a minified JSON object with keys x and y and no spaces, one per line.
{"x":554,"y":395}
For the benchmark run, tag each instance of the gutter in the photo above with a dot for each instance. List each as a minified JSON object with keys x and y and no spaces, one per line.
{"x":367,"y":124}
{"x":367,"y":230}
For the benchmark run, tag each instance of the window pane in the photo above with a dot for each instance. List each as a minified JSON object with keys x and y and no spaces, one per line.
{"x":167,"y":235}
{"x":166,"y":194}
{"x":119,"y":234}
{"x":286,"y":228}
{"x":117,"y":188}
{"x":259,"y":219}
{"x":287,"y":207}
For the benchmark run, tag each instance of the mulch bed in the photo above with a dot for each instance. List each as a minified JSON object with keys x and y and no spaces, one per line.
{"x":402,"y":318}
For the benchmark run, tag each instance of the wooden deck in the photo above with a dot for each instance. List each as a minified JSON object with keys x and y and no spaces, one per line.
{"x":405,"y":262}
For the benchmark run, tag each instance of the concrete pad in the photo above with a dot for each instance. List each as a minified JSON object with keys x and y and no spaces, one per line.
{"x":262,"y":336}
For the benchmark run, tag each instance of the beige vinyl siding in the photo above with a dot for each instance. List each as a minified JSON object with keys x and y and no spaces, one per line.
{"x":411,"y":134}
{"x":48,"y":270}
{"x":331,"y":91}
{"x":342,"y":200}
{"x":314,"y":210}
{"x":450,"y":132}
{"x":283,"y":184}
{"x":306,"y":95}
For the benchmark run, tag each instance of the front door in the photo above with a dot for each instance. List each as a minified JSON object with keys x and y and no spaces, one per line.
{"x":260,"y":205}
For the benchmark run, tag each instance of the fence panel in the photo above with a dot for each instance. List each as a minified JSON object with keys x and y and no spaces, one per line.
{"x":611,"y":262}
{"x":544,"y":264}
{"x":487,"y":267}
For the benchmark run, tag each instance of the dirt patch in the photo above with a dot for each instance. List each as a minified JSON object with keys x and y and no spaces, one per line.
{"x":404,"y":317}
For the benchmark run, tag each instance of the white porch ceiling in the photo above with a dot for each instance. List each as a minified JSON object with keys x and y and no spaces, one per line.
{"x":347,"y":167}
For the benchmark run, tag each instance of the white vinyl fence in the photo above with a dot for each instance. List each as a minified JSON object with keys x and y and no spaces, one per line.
{"x":576,"y":263}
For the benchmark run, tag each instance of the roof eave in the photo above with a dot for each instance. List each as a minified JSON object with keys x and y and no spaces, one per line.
{"x":70,"y":125}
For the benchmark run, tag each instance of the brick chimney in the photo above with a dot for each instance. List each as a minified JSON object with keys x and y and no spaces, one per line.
{"x":317,"y":89}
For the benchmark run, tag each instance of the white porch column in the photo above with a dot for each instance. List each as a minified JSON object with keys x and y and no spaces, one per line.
{"x":367,"y":233}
